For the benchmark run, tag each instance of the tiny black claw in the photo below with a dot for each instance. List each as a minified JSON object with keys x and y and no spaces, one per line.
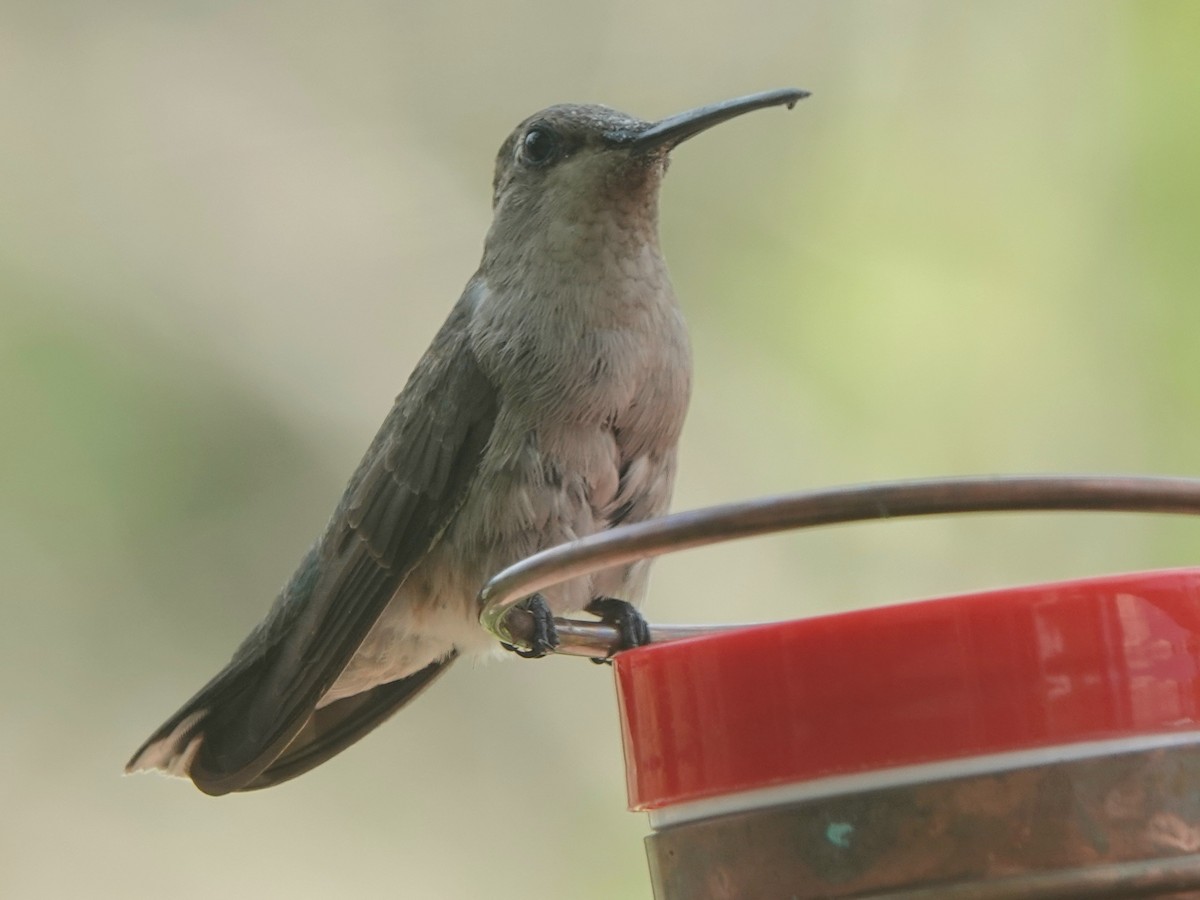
{"x":545,"y":633}
{"x":631,"y":626}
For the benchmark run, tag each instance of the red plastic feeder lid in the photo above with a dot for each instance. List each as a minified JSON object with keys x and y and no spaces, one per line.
{"x":943,"y":679}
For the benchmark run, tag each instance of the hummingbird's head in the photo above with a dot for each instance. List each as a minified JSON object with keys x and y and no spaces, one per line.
{"x":576,"y":174}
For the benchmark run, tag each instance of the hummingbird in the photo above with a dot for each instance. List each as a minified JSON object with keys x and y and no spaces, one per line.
{"x":548,"y":408}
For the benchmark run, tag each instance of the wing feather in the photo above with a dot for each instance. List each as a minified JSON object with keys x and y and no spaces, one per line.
{"x":403,"y":495}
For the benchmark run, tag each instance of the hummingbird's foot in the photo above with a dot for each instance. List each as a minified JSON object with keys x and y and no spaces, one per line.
{"x":545,"y":634}
{"x":622,"y":615}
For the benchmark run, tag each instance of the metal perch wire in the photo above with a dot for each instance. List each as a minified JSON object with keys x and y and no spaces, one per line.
{"x":766,"y":515}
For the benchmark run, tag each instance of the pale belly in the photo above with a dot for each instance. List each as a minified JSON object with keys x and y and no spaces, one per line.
{"x":509,"y":514}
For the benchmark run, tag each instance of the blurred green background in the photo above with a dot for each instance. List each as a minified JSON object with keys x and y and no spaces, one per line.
{"x":228,"y":230}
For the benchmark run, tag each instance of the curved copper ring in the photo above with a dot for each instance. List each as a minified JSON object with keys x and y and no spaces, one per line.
{"x":715,"y":524}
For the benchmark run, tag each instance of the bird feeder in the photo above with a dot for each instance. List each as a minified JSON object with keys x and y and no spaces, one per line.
{"x":1040,"y":741}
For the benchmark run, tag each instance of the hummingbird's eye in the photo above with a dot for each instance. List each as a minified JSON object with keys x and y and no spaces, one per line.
{"x":539,"y":146}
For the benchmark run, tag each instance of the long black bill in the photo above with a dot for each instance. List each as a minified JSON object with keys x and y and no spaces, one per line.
{"x":676,"y":129}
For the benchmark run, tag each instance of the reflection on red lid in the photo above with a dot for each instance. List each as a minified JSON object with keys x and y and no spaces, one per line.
{"x":919,"y":682}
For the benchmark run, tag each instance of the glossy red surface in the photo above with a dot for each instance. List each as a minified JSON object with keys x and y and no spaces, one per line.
{"x":913,"y":683}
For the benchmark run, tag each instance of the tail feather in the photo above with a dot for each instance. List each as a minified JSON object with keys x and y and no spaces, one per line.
{"x":170,"y":752}
{"x":333,"y":728}
{"x":175,"y":747}
{"x":172,"y":748}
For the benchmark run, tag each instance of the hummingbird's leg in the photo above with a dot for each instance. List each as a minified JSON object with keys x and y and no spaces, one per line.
{"x":545,"y":634}
{"x":624,"y":616}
